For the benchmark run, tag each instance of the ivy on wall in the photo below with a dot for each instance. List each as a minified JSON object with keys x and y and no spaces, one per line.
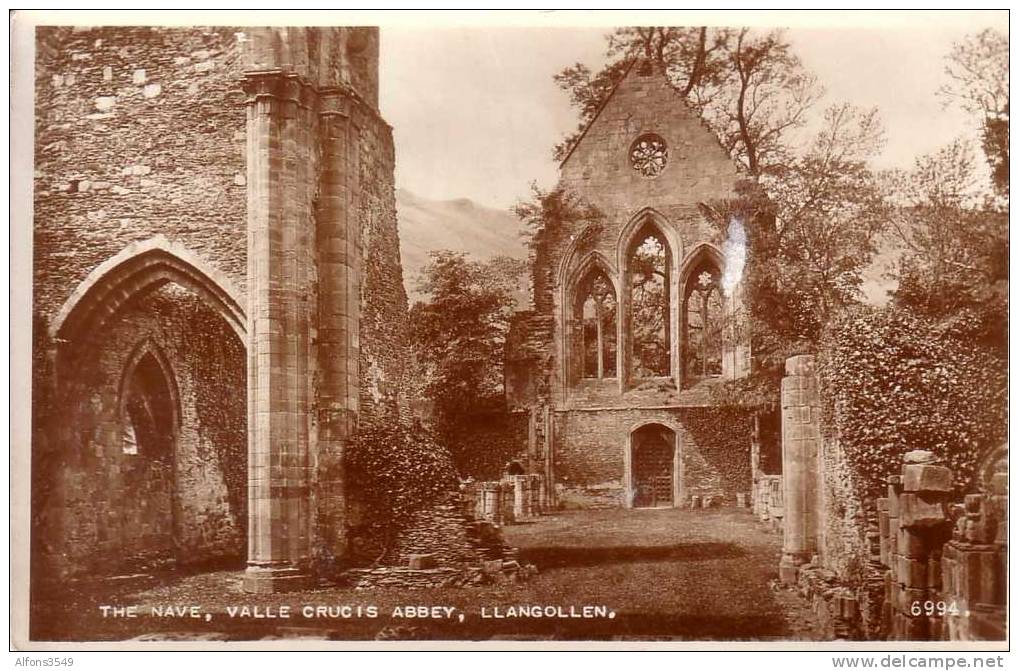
{"x":894,"y":382}
{"x":394,"y":471}
{"x":723,"y":435}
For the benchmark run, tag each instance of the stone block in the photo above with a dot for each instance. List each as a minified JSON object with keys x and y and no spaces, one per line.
{"x":788,"y":572}
{"x":926,"y":478}
{"x":987,"y":625}
{"x":802,"y":365}
{"x":138,"y":77}
{"x":934,"y":574}
{"x":918,"y":457}
{"x":911,"y":572}
{"x":916,"y":510}
{"x":422,"y":561}
{"x":912,"y":543}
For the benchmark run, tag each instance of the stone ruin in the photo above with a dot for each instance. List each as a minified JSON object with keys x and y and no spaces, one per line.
{"x":934,"y":568}
{"x":458,"y":542}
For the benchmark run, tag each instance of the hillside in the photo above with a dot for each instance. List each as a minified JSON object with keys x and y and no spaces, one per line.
{"x":460,"y":225}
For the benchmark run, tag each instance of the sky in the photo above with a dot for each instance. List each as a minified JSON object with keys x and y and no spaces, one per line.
{"x":476,"y":113}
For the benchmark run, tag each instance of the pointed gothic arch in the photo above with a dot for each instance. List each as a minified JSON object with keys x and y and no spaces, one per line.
{"x":652,"y":464}
{"x":139,"y":268}
{"x":647,"y":250}
{"x":149,"y":402}
{"x":590,"y":314}
{"x":702,"y":314}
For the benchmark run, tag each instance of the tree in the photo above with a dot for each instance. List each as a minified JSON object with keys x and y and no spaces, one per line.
{"x":978,"y":69}
{"x":749,"y":88}
{"x":830,"y":210}
{"x":955,"y":267}
{"x":810,"y":236}
{"x":458,"y":336}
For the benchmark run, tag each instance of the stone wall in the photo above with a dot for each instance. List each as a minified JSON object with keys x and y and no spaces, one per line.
{"x":252,"y":167}
{"x":912,"y":566}
{"x":946,"y":564}
{"x":138,"y":132}
{"x":98,"y":509}
{"x":590,"y":456}
{"x":581,"y":427}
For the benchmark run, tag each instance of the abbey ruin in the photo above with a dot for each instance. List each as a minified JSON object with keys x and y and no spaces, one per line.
{"x":219,"y":306}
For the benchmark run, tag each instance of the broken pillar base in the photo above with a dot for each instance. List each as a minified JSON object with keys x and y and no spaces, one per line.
{"x":271,"y":579}
{"x":788,"y":571}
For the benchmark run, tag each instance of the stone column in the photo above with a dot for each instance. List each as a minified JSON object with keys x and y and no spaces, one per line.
{"x":338,"y":253}
{"x":801,"y":440}
{"x":280,"y":270}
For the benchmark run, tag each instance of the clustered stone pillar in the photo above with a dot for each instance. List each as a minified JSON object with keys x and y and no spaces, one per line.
{"x":338,"y":247}
{"x":304,"y":268}
{"x":280,"y":277}
{"x":801,"y":441}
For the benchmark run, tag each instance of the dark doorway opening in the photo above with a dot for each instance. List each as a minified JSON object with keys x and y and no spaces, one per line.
{"x":653,"y":466}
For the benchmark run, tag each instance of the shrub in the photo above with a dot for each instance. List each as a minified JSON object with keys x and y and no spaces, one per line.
{"x":395,"y":471}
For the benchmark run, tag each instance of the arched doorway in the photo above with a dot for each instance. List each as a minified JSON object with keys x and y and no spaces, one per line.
{"x":144,"y":459}
{"x":149,"y":418}
{"x":653,"y":466}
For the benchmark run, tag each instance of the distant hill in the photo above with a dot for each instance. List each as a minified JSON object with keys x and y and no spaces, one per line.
{"x":459,"y":225}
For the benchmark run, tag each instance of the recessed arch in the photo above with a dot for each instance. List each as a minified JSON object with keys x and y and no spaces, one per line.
{"x":697,"y":254}
{"x":652,"y":464}
{"x":148,"y":348}
{"x":703,"y":314}
{"x":568,"y":264}
{"x":139,"y":268}
{"x":149,"y":405}
{"x":648,"y":258}
{"x":645,"y":217}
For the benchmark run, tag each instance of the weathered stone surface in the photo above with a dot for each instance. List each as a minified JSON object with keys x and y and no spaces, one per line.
{"x":918,"y":457}
{"x":926,"y":478}
{"x":917,"y":510}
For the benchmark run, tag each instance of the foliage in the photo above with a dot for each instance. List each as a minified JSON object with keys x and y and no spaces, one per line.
{"x":830,"y":210}
{"x":749,"y":88}
{"x":397,"y":471}
{"x":549,"y":213}
{"x":893,"y":381}
{"x":723,"y":436}
{"x":458,"y":336}
{"x":955,"y":265}
{"x":978,"y":69}
{"x":809,"y":235}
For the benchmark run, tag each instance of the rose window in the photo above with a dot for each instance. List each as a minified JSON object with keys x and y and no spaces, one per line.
{"x":648,"y":155}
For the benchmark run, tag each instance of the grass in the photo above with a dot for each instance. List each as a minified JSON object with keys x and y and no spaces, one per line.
{"x":663,"y":574}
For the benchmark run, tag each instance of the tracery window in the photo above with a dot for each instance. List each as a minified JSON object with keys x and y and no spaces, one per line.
{"x":704,"y":315}
{"x":650,"y":326}
{"x":596,"y":313}
{"x":148,"y":422}
{"x":649,"y":154}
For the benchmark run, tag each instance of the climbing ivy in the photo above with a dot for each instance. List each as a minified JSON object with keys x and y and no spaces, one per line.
{"x":723,"y":436}
{"x":395,"y":471}
{"x":893,"y":381}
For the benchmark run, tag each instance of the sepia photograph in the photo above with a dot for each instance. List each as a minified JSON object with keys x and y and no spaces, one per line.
{"x":647,"y":330}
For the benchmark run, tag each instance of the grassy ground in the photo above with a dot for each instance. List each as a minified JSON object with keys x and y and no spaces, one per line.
{"x":659,"y":574}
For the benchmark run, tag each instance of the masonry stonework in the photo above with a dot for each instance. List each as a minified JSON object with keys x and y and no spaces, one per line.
{"x":923,"y":565}
{"x":223,"y":199}
{"x":586,"y":430}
